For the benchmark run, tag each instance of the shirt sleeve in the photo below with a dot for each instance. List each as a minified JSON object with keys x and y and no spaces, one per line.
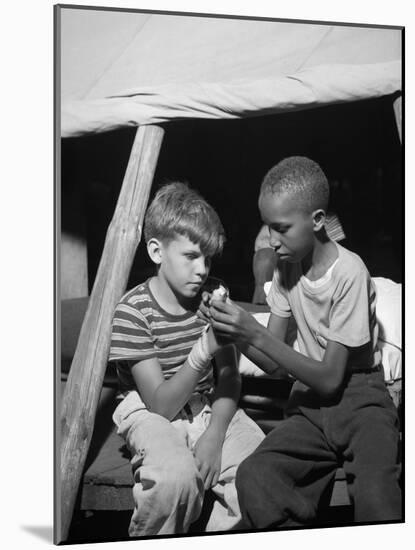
{"x":131,"y":337}
{"x":350,"y":314}
{"x":277,"y":296}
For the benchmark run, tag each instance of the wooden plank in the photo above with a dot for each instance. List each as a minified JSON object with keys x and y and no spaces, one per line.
{"x":340,"y":494}
{"x":107,"y":498}
{"x":88,"y":367}
{"x":108,"y":482}
{"x":112,"y":466}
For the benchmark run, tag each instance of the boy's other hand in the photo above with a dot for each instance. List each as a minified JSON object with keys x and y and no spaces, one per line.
{"x":208,"y":454}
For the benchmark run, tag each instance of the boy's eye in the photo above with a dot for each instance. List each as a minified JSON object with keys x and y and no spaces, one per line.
{"x":280,"y":230}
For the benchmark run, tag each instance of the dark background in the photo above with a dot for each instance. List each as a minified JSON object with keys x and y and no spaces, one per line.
{"x":356,"y":144}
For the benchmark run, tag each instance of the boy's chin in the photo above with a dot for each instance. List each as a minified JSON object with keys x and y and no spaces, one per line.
{"x":191,"y":292}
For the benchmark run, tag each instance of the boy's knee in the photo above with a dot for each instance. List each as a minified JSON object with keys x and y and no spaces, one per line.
{"x":179,"y":481}
{"x":187,"y":475}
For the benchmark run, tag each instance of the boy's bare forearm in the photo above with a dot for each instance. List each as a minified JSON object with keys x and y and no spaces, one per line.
{"x":225,"y":403}
{"x":265,"y":363}
{"x":325,"y":376}
{"x":171,"y":395}
{"x":227,"y":390}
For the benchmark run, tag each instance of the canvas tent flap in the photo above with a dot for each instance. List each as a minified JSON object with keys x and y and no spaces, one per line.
{"x":122,"y":68}
{"x":309,"y":88}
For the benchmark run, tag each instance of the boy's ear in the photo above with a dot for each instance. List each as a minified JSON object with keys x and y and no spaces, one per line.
{"x":319,"y":219}
{"x":154,"y":249}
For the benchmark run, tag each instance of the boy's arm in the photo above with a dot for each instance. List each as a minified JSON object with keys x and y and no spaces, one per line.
{"x":325,"y":377}
{"x":277,"y":326}
{"x":167,"y":397}
{"x":227,"y":390}
{"x":208,"y":449}
{"x":161,"y":396}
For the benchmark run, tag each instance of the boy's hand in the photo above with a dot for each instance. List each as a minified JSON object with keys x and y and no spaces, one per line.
{"x":232,"y":321}
{"x":215,"y":341}
{"x":208,"y":454}
{"x":203,"y":311}
{"x":212,"y":341}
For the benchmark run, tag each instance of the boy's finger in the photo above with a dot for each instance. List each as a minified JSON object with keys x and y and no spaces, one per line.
{"x":203,"y":313}
{"x":208,"y":480}
{"x":198,"y":464}
{"x":215,"y":479}
{"x":223,"y":317}
{"x":204,"y":308}
{"x":222,"y":306}
{"x":223,"y":329}
{"x":203,"y":316}
{"x":203,"y":471}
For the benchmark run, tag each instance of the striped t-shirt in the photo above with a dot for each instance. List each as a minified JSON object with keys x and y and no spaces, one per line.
{"x":142,"y":329}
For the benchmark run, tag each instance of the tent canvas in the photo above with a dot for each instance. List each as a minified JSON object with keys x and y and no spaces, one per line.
{"x":124,"y":68}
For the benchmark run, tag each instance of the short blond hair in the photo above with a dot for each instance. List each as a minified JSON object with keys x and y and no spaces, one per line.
{"x":179,"y":210}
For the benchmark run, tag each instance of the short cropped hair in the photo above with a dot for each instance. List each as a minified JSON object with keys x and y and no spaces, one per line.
{"x":178,"y":210}
{"x":299,"y":177}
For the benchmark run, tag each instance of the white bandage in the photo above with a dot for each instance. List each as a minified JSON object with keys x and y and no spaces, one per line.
{"x":199,"y":357}
{"x":220,"y":293}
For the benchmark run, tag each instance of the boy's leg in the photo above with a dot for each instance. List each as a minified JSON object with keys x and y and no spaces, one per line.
{"x":242,"y":438}
{"x":281,"y":483}
{"x":168,"y":490}
{"x":371,"y":460}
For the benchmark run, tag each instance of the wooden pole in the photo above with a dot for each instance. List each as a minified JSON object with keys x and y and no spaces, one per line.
{"x":87,"y":372}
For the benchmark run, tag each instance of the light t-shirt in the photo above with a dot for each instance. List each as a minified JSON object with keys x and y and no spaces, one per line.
{"x":341,"y":308}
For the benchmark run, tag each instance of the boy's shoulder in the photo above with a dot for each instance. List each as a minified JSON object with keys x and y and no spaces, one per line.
{"x":350,"y":263}
{"x":136,"y":296}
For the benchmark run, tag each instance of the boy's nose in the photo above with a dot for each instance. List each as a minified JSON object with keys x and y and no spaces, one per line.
{"x":201,"y":267}
{"x":274,"y":241}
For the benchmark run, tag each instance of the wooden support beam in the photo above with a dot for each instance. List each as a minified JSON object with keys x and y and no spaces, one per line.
{"x":85,"y":379}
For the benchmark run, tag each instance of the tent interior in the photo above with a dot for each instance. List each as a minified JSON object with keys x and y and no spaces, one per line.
{"x":356,"y":143}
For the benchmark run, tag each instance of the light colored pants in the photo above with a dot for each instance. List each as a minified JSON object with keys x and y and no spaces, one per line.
{"x":168,"y":490}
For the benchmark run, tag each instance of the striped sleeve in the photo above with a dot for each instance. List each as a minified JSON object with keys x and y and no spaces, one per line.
{"x":131,"y":337}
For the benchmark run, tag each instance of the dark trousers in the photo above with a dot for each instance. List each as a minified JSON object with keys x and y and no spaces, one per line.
{"x":282,"y":482}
